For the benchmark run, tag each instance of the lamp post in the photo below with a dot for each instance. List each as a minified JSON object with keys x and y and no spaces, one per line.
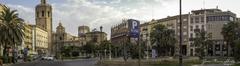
{"x":180,"y":44}
{"x":101,"y":41}
{"x":110,"y":57}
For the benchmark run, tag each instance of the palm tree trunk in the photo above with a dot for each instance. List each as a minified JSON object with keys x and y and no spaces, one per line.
{"x":228,"y":49}
{"x":5,"y":53}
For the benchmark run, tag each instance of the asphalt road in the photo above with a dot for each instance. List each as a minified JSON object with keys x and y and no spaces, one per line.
{"x":82,"y":62}
{"x":215,"y":65}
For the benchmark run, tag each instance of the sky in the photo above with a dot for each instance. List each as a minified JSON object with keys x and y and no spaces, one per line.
{"x":107,"y":13}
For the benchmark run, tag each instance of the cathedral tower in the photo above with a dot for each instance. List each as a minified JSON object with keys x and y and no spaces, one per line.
{"x":43,"y":15}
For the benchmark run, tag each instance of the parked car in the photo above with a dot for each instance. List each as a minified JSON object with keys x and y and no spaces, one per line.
{"x":49,"y":58}
{"x":20,"y":56}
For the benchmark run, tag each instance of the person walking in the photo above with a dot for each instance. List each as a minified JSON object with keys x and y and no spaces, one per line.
{"x":25,"y":54}
{"x":10,"y":55}
{"x":15,"y":55}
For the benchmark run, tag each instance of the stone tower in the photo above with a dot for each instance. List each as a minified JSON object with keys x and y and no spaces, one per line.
{"x":59,"y":37}
{"x":82,"y":30}
{"x":60,"y":32}
{"x":43,"y":14}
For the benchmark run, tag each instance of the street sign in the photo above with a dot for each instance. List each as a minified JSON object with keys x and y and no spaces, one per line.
{"x":134,"y":28}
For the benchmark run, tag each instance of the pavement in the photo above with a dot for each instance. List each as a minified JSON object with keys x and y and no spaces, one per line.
{"x":85,"y":62}
{"x":212,"y":65}
{"x":79,"y":62}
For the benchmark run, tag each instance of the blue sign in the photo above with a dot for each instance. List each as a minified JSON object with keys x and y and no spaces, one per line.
{"x":134,"y":28}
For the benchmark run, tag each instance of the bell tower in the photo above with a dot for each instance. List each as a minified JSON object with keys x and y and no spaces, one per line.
{"x":43,"y":1}
{"x":43,"y":17}
{"x":59,"y":37}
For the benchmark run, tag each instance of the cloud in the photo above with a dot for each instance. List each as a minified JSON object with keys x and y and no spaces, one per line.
{"x":96,"y":13}
{"x":26,"y":13}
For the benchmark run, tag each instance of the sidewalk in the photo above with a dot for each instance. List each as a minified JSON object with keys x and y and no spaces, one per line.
{"x":19,"y":61}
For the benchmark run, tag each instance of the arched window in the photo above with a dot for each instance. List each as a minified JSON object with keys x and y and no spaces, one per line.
{"x":48,"y":14}
{"x":60,"y":38}
{"x":42,"y":13}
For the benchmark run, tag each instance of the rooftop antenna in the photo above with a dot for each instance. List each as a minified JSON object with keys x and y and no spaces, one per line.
{"x":218,"y":3}
{"x":152,"y":12}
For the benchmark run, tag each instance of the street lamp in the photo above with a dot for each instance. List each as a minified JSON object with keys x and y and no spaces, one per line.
{"x":101,"y":41}
{"x":180,"y":44}
{"x":110,"y":52}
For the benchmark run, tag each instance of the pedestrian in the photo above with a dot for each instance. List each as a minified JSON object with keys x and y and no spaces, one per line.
{"x":15,"y":55}
{"x":10,"y":55}
{"x":25,"y":53}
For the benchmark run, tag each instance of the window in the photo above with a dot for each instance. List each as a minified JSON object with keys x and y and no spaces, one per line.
{"x":197,"y":27}
{"x":191,"y":35}
{"x":184,"y":19}
{"x":42,"y":13}
{"x":48,"y":14}
{"x":185,"y":33}
{"x":191,"y":20}
{"x":185,"y":27}
{"x":202,"y":19}
{"x":197,"y":19}
{"x":202,"y":26}
{"x":191,"y":28}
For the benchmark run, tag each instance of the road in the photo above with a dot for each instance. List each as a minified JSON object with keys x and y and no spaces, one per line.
{"x":215,"y":65}
{"x":81,"y":62}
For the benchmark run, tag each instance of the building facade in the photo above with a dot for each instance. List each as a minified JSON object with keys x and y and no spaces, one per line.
{"x":210,"y":20}
{"x":40,"y":40}
{"x":43,"y":16}
{"x":28,"y":38}
{"x":62,"y":38}
{"x":82,"y":30}
{"x":96,"y":37}
{"x":1,"y":8}
{"x":121,"y":33}
{"x":171,"y":22}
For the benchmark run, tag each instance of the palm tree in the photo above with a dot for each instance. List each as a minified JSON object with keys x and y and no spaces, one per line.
{"x":229,"y":31}
{"x":11,"y":29}
{"x":163,"y":39}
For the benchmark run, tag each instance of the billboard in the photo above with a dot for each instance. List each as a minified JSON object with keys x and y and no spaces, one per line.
{"x":134,"y":26}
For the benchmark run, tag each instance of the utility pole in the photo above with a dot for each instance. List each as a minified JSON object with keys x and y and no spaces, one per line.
{"x":180,"y":44}
{"x":139,"y":52}
{"x":101,"y":42}
{"x":110,"y":52}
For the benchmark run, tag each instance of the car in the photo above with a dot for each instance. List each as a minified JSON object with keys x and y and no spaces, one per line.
{"x":20,"y":56}
{"x":50,"y":58}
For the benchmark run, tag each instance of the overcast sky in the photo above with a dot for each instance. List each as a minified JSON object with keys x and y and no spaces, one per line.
{"x":94,"y":13}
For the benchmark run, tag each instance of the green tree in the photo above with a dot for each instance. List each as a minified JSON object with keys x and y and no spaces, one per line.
{"x":66,"y":51}
{"x":133,"y":51}
{"x":163,"y":40}
{"x":237,"y":50}
{"x":105,"y":45}
{"x":90,"y":47}
{"x":201,"y":42}
{"x":11,"y":29}
{"x":229,"y":32}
